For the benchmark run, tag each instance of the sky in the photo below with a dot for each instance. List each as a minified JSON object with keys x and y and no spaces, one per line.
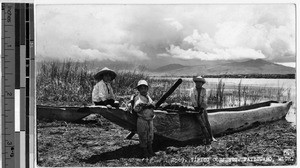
{"x":166,"y":33}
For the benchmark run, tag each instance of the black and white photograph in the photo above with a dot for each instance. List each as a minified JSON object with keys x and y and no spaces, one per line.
{"x":195,"y":84}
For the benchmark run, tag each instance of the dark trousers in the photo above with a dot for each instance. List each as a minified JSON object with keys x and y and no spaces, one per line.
{"x":205,"y":118}
{"x":106,"y":102}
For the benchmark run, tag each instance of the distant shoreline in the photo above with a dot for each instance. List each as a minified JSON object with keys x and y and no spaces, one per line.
{"x":266,"y":76}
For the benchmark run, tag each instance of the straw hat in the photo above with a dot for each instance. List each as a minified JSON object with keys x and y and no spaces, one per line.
{"x":142,"y":82}
{"x":103,"y":71}
{"x":199,"y":79}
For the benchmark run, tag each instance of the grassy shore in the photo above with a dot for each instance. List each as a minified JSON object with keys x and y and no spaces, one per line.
{"x":100,"y":143}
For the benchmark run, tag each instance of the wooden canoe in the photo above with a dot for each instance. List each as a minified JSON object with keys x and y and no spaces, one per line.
{"x":62,"y":113}
{"x":181,"y":126}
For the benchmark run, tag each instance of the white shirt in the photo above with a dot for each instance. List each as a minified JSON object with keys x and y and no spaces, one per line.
{"x":202,"y":99}
{"x":139,"y":99}
{"x":102,"y":91}
{"x":146,"y":114}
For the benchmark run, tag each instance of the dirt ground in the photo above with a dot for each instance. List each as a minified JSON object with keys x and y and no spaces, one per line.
{"x":98,"y":142}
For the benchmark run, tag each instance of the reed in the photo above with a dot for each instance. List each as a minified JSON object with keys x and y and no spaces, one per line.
{"x":71,"y":83}
{"x":239,"y":91}
{"x":220,"y":93}
{"x":57,"y":83}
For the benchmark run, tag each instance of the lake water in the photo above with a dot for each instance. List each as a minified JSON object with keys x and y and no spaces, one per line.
{"x":272,"y":83}
{"x":268,"y":83}
{"x":286,"y":84}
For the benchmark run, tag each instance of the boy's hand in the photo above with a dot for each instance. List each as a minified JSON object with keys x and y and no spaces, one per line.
{"x":150,"y":105}
{"x":128,"y":107}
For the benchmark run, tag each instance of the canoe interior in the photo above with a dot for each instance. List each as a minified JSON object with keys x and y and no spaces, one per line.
{"x":243,"y":108}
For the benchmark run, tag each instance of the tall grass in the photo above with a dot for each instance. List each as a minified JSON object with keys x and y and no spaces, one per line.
{"x":57,"y":83}
{"x":71,"y":83}
{"x":220,"y":94}
{"x":242,"y":95}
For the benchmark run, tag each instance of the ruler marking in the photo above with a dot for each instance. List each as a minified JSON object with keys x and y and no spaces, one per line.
{"x":8,"y":12}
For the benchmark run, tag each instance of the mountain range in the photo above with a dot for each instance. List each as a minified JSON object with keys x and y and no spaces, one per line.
{"x":257,"y":66}
{"x":219,"y":67}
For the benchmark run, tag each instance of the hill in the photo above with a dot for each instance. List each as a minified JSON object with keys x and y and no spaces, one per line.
{"x":257,"y":66}
{"x":170,"y":67}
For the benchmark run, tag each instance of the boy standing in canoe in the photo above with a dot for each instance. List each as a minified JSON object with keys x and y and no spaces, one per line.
{"x":199,"y":100}
{"x":103,"y":93}
{"x":143,"y":106}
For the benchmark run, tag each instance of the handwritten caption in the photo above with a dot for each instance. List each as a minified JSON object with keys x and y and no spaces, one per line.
{"x":231,"y":160}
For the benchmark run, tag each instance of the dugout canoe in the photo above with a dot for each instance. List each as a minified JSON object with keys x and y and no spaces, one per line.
{"x":69,"y":114}
{"x":181,"y":126}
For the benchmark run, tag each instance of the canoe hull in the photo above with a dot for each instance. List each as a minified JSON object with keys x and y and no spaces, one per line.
{"x":185,"y":126}
{"x":69,"y":114}
{"x":234,"y":121}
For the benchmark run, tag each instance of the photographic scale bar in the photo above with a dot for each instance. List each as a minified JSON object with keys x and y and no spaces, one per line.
{"x":17,"y":87}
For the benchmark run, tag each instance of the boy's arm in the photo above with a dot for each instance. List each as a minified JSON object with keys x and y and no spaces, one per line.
{"x":95,"y":94}
{"x":151,"y":102}
{"x":102,"y":92}
{"x":130,"y":104}
{"x":113,"y":95}
{"x":204,"y":99}
{"x":193,"y":99}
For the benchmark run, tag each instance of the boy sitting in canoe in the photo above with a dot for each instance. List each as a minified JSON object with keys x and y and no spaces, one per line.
{"x":143,"y":106}
{"x":199,"y":101}
{"x":103,"y":93}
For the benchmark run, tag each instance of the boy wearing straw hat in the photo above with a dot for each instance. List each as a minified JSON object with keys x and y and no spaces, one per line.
{"x":199,"y":100}
{"x":143,"y":106}
{"x":103,"y":93}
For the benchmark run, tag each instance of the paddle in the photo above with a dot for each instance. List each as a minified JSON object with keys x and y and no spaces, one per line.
{"x":161,"y":100}
{"x":168,"y":93}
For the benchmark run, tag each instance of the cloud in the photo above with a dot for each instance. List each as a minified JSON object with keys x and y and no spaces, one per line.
{"x":215,"y":54}
{"x":119,"y":52}
{"x":173,"y":22}
{"x":163,"y":55}
{"x":201,"y":42}
{"x":264,"y":35}
{"x":156,"y":32}
{"x":64,"y":33}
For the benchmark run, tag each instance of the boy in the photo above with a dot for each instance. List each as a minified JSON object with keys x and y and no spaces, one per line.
{"x":199,"y":100}
{"x":143,"y":106}
{"x":103,"y":93}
